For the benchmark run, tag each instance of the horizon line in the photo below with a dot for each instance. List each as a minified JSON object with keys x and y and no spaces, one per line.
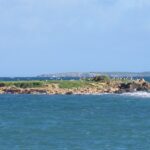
{"x":134,"y":72}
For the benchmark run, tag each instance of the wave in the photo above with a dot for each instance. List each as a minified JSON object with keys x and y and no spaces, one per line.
{"x":138,"y":94}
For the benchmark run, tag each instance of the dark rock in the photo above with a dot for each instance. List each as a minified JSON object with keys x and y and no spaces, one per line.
{"x":134,"y":86}
{"x":12,"y":91}
{"x":69,"y":93}
{"x":2,"y":85}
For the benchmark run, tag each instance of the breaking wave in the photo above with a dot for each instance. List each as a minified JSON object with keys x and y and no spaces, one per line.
{"x":138,"y":94}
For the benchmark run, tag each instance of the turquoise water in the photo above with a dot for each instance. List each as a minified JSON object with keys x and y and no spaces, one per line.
{"x":102,"y":122}
{"x":147,"y":79}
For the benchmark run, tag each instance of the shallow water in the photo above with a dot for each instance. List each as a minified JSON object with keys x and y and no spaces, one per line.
{"x":100,"y":122}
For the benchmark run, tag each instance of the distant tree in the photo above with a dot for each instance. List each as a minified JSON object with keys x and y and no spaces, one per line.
{"x":101,"y":78}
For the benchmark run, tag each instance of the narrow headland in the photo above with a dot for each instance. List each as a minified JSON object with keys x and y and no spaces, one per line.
{"x":95,"y":85}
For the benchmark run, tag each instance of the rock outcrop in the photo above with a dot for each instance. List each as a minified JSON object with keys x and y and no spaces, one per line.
{"x":138,"y":85}
{"x":93,"y":88}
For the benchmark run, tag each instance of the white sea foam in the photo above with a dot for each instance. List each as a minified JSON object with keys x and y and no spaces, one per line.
{"x":138,"y":94}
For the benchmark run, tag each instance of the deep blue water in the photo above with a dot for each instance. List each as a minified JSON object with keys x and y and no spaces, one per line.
{"x":49,"y":78}
{"x":36,"y":78}
{"x":102,"y":122}
{"x":146,"y":78}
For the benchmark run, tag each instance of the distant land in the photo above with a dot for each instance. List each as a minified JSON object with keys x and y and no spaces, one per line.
{"x":95,"y":85}
{"x":92,"y":74}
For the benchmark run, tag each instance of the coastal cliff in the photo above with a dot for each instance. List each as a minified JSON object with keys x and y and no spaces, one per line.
{"x":95,"y":86}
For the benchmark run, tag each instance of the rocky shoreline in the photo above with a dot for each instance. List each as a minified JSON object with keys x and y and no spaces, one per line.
{"x":94,"y":88}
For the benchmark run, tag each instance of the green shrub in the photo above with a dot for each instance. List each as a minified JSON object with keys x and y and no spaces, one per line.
{"x":101,"y":79}
{"x":28,"y":84}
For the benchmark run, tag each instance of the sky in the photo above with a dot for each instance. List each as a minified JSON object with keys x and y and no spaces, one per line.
{"x":50,"y":36}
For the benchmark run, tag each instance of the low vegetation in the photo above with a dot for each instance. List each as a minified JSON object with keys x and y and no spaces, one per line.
{"x":96,"y":85}
{"x":66,"y":84}
{"x":74,"y":84}
{"x":22,"y":84}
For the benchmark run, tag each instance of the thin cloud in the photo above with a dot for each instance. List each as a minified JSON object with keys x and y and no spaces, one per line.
{"x":48,"y":15}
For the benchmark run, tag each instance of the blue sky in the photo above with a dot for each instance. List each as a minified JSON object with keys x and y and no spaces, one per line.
{"x":49,"y":36}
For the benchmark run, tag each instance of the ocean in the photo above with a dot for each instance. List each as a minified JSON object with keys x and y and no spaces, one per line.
{"x":50,"y":78}
{"x":81,"y":122}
